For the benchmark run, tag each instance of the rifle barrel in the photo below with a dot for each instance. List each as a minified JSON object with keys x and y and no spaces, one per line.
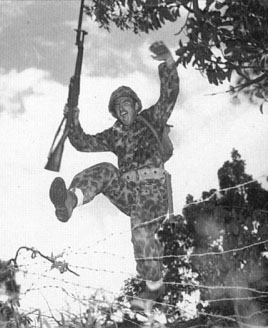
{"x":80,"y":23}
{"x":55,"y":153}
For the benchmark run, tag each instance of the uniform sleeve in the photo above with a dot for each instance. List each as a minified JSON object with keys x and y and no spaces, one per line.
{"x":169,"y":90}
{"x":90,"y":143}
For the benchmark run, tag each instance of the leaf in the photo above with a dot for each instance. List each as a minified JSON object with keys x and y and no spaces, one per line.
{"x":229,"y":74}
{"x":156,"y":22}
{"x":180,"y":52}
{"x":234,"y":228}
{"x":209,"y":2}
{"x":258,"y":94}
{"x":228,"y":50}
{"x":219,"y":5}
{"x":46,"y":323}
{"x":165,"y":13}
{"x":209,"y":75}
{"x":214,"y":79}
{"x":130,"y":4}
{"x":263,"y":231}
{"x":261,"y":108}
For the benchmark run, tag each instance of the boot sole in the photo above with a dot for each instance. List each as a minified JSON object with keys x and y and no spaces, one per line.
{"x":58,"y":196}
{"x":146,"y":300}
{"x":145,"y":306}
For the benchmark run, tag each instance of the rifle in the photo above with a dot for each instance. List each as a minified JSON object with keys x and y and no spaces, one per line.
{"x":55,"y":153}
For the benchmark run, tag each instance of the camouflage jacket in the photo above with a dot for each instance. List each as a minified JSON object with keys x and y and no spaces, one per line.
{"x":135,"y":145}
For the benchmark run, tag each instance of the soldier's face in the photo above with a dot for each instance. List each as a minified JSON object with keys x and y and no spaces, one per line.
{"x":125,"y":110}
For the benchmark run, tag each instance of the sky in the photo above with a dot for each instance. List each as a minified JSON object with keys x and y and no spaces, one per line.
{"x":38,"y":54}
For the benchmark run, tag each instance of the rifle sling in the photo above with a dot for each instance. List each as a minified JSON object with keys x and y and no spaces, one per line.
{"x":141,"y":118}
{"x":168,"y":175}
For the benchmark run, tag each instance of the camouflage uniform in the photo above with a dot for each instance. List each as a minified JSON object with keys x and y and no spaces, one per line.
{"x":137,"y":149}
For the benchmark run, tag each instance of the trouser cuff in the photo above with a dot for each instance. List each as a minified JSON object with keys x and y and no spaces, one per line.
{"x":154,"y":285}
{"x":78,"y":193}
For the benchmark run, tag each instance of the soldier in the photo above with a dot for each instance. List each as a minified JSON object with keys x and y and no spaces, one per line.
{"x":138,"y":187}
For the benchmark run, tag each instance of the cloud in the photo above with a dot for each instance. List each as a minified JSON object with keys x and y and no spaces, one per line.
{"x":11,"y":9}
{"x":119,"y":52}
{"x":16,"y":87}
{"x":31,"y":103}
{"x":205,"y":130}
{"x":108,"y":56}
{"x":25,"y":139}
{"x":35,"y":36}
{"x":27,"y":214}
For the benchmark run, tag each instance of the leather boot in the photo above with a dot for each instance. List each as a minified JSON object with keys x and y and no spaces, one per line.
{"x":145,"y":300}
{"x":63,"y":199}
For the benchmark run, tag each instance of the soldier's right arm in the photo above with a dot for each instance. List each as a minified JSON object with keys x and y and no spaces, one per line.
{"x":169,"y":80}
{"x":86,"y":142}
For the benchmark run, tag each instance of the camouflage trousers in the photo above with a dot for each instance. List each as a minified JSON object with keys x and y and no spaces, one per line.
{"x":142,"y":202}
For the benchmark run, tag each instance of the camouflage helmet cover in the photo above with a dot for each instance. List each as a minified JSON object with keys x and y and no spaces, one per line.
{"x":123,"y":91}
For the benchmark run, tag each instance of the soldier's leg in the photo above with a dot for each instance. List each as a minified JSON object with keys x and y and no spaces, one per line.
{"x":63,"y":200}
{"x":148,"y":251}
{"x":100,"y":178}
{"x":103,"y":178}
{"x":146,"y":217}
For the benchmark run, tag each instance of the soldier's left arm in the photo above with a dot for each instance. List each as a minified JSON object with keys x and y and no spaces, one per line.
{"x":169,"y":83}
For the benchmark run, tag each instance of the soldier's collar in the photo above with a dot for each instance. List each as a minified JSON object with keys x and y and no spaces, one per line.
{"x":118,"y":126}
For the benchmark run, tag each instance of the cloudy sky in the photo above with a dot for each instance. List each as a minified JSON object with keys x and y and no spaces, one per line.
{"x":37,"y":60}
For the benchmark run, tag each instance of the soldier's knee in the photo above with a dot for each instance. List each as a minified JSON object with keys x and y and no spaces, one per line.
{"x":108,"y":166}
{"x":103,"y":166}
{"x":109,"y":171}
{"x":140,"y":235}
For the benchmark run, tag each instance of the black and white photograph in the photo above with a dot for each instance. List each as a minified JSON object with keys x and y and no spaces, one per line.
{"x":134,"y":163}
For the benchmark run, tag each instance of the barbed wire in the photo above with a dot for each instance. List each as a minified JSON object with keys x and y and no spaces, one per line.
{"x":262,"y":293}
{"x":181,"y":284}
{"x":163,"y":218}
{"x":160,"y":303}
{"x":202,"y":200}
{"x":62,"y":265}
{"x":124,"y":309}
{"x":176,"y":283}
{"x":68,"y":250}
{"x":232,"y":250}
{"x":177,"y":307}
{"x":150,"y":258}
{"x":216,"y":192}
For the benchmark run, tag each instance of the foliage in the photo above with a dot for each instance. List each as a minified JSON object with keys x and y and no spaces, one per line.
{"x":8,"y":278}
{"x":226,"y":237}
{"x":218,"y":247}
{"x":236,"y":219}
{"x":219,"y":37}
{"x":10,"y":317}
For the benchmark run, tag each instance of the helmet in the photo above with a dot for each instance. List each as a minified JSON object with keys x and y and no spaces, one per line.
{"x":123,"y":91}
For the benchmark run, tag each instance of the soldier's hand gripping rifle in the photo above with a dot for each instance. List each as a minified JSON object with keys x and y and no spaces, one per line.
{"x":56,"y":150}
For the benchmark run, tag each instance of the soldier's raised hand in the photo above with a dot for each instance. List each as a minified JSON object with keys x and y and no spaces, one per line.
{"x":161,"y":52}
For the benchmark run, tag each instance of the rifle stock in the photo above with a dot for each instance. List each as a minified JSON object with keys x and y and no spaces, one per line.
{"x":55,"y":157}
{"x":55,"y":153}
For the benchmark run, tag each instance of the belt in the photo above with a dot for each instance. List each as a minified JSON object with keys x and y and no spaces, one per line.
{"x":145,"y":174}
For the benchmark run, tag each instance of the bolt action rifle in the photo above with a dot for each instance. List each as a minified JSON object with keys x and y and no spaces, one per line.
{"x":56,"y":150}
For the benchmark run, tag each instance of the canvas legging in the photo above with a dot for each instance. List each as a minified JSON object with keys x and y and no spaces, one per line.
{"x":142,"y":201}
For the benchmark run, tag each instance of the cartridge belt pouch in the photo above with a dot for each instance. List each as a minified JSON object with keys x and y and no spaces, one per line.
{"x":145,"y":174}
